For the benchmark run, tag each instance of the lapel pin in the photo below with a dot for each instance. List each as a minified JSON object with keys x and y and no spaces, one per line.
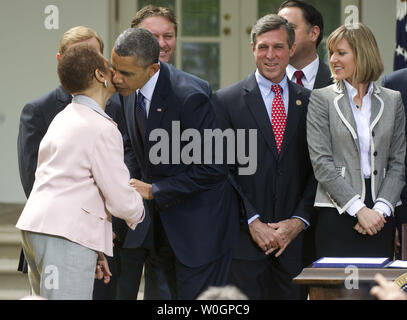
{"x":299,"y":103}
{"x":159,"y":110}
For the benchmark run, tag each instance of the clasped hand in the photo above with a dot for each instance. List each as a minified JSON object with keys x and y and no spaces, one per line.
{"x":369,"y":221}
{"x":272,"y":236}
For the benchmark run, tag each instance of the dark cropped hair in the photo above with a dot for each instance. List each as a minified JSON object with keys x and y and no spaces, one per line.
{"x":154,"y":11}
{"x":311,"y":15}
{"x":140,"y":44}
{"x":77,"y":66}
{"x":273,"y":22}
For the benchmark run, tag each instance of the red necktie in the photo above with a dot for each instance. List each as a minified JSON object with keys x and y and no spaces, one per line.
{"x":298,"y":75}
{"x":278,"y":116}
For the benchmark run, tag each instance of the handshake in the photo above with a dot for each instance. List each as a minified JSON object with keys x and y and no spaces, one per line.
{"x":143,"y":188}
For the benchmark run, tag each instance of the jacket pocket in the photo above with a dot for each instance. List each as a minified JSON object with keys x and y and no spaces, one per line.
{"x":100,"y":216}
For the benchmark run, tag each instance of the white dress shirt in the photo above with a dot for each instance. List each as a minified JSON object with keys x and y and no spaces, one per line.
{"x":361,"y":115}
{"x":148,"y":90}
{"x":310,"y":73}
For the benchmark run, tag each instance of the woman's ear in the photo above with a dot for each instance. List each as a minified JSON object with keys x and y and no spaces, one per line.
{"x":99,"y":75}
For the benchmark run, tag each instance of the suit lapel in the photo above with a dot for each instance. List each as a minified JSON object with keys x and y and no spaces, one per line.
{"x":158,"y":104}
{"x":295,"y":110}
{"x":377,"y":107}
{"x":129,"y":112}
{"x":344,"y":110}
{"x":323,"y":77}
{"x":255,"y":103}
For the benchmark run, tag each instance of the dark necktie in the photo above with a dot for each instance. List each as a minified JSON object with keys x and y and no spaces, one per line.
{"x":298,"y":75}
{"x":141,"y":114}
{"x":278,"y":116}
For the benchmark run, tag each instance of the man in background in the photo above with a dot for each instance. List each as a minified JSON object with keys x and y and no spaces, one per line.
{"x":305,"y":67}
{"x":161,"y":22}
{"x":397,"y":80}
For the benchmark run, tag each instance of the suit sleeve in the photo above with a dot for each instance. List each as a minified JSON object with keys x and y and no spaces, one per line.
{"x":112,"y":178}
{"x":196,"y":113}
{"x":32,"y":129}
{"x":224,"y":123}
{"x":384,"y":81}
{"x":390,"y":82}
{"x":394,"y":181}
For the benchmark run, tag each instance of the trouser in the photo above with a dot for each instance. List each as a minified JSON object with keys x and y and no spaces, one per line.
{"x":59,"y":269}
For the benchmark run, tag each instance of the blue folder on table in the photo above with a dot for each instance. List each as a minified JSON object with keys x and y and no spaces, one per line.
{"x":343,"y":262}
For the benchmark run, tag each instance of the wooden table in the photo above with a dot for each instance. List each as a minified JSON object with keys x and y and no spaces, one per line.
{"x":334,"y":283}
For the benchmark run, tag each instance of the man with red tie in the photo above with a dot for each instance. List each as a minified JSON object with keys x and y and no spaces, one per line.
{"x":305,"y":68}
{"x":281,"y":192}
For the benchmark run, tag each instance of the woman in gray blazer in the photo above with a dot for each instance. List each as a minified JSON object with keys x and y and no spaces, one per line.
{"x":356,"y":139}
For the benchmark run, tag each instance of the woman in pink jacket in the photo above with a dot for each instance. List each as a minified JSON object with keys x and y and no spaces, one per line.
{"x":80,"y":182}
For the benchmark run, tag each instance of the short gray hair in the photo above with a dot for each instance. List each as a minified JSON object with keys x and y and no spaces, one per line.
{"x":273,"y":22}
{"x":140,"y":43}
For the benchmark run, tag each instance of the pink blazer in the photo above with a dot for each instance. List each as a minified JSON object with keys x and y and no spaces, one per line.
{"x":80,"y":181}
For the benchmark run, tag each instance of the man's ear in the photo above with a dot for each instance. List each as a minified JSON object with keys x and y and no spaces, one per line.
{"x":58,"y":56}
{"x":314,"y":33}
{"x":154,"y":68}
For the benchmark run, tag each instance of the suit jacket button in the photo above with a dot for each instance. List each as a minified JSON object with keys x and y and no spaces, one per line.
{"x":373,"y":134}
{"x":375,"y":154}
{"x":375,"y":172}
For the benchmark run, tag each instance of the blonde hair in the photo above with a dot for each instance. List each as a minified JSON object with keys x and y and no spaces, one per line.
{"x":78,"y":34}
{"x":368,"y":62}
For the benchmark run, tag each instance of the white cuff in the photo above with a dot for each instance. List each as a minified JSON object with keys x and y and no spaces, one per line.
{"x":253,"y":218}
{"x":355,"y":207}
{"x":382,"y":208}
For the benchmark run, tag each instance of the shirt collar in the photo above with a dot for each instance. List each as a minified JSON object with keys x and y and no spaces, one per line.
{"x":148,"y":89}
{"x":353,"y":92}
{"x":310,"y":71}
{"x":89,"y":102}
{"x":265,"y":84}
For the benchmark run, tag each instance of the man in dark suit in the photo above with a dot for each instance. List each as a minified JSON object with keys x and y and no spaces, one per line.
{"x":192,"y":207}
{"x":281,"y":192}
{"x":397,"y":80}
{"x":137,"y":250}
{"x":35,"y":119}
{"x":305,"y":67}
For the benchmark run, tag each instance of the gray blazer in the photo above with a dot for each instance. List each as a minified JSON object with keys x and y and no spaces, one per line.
{"x":334,"y":147}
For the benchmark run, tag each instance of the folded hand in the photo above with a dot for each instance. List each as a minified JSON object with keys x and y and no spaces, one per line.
{"x":370,"y":221}
{"x":262,"y":234}
{"x":286,"y":231}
